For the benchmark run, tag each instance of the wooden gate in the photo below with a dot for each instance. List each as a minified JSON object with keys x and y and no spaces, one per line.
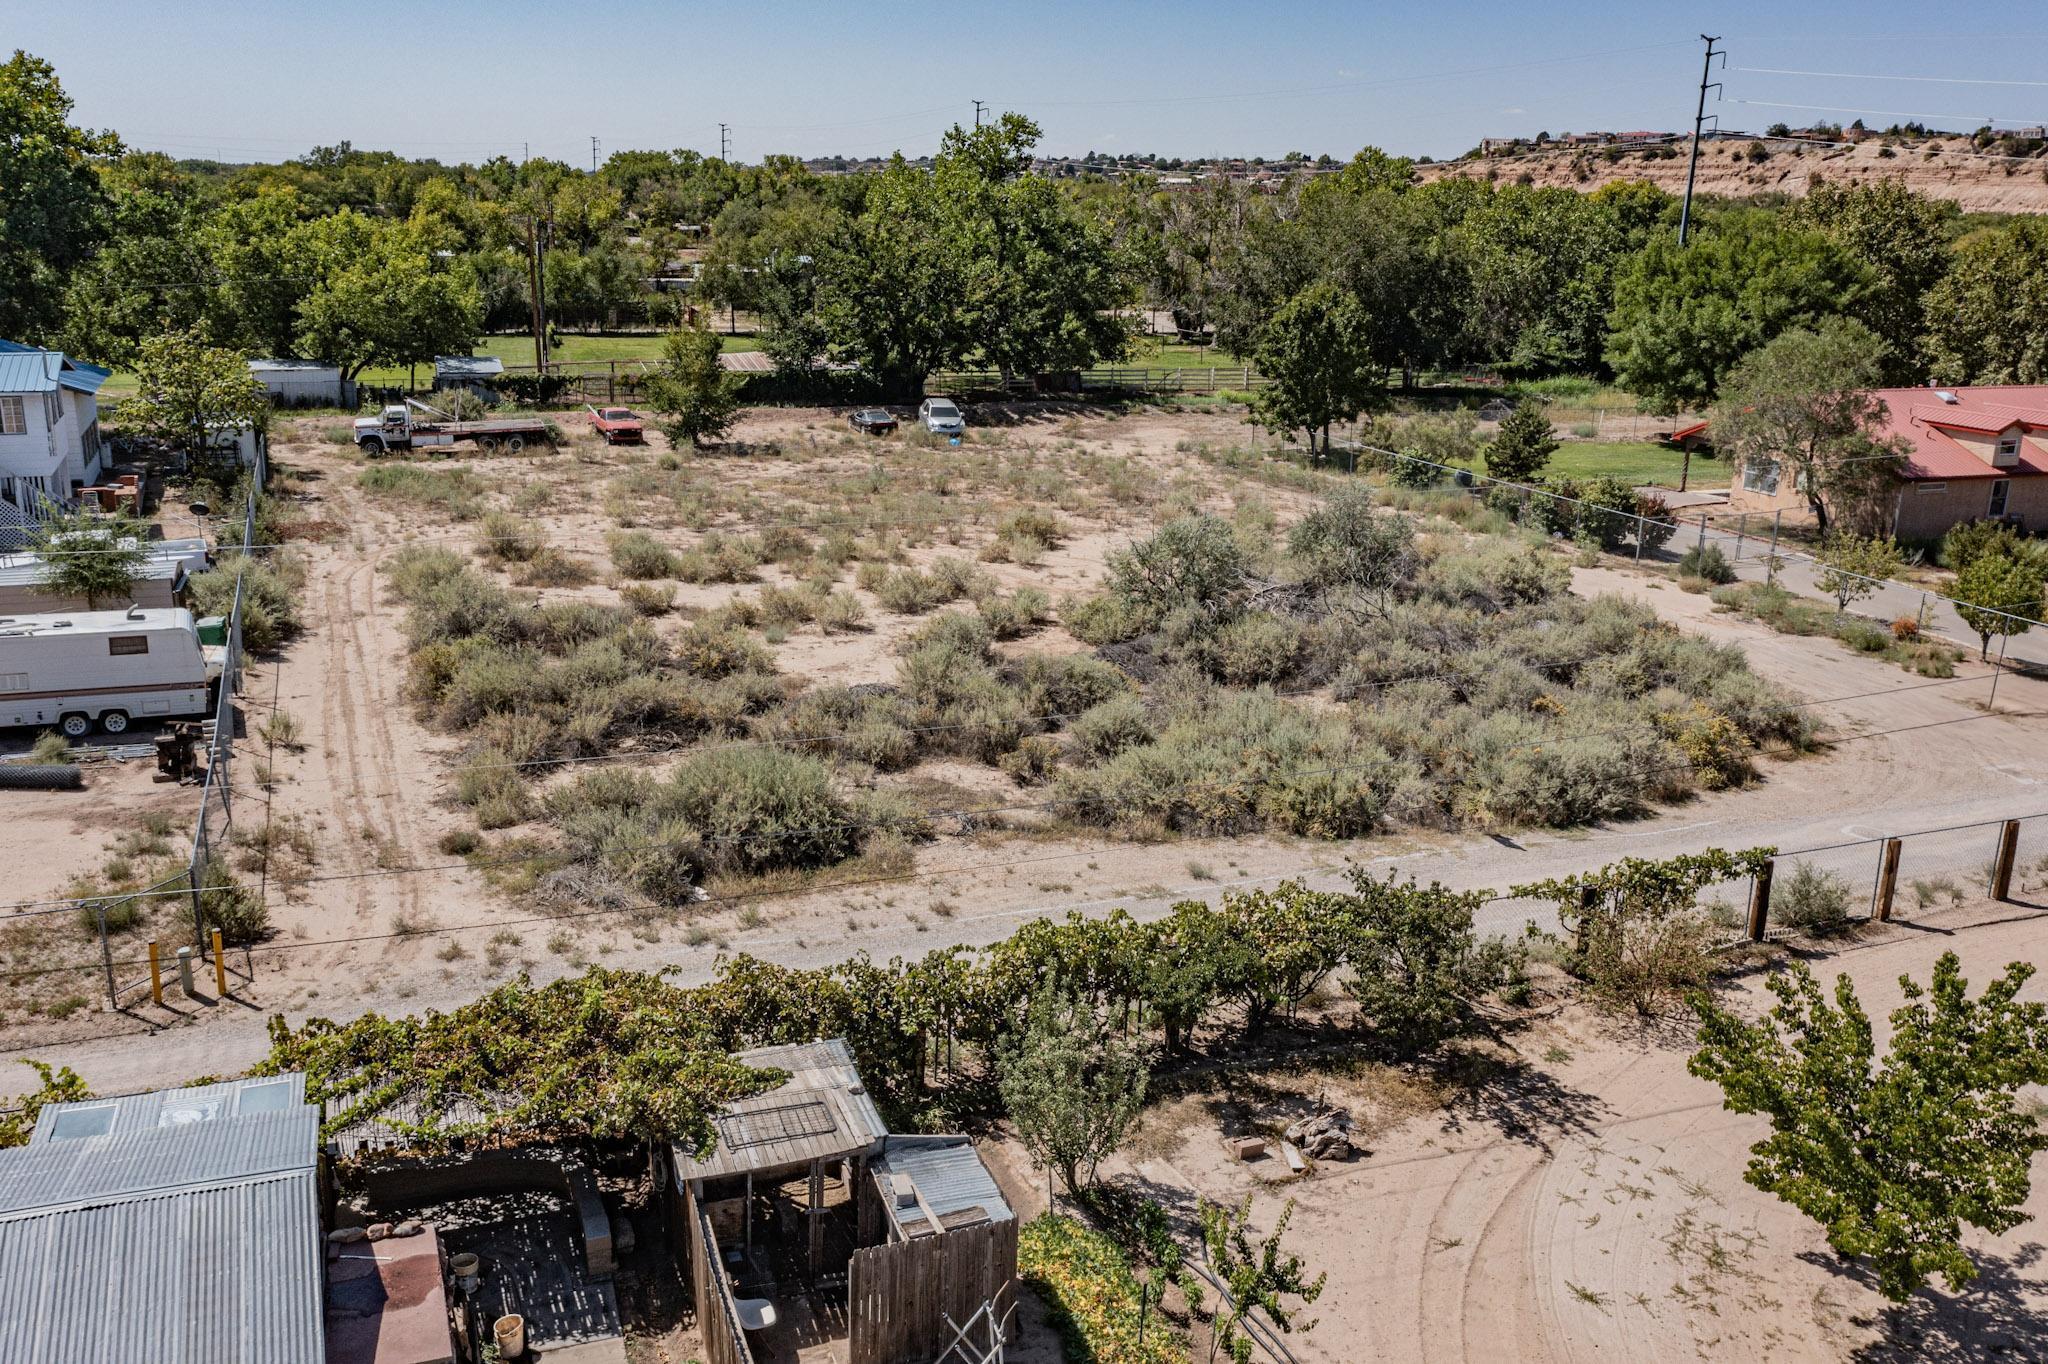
{"x":899,"y":1295}
{"x":718,"y":1320}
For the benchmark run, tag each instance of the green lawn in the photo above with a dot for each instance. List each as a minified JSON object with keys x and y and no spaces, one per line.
{"x":1636,"y":462}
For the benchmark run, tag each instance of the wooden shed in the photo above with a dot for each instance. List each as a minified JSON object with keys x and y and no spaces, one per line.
{"x":807,"y":1221}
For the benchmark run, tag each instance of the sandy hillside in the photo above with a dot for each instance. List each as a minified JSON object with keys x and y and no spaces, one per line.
{"x":1977,"y":183}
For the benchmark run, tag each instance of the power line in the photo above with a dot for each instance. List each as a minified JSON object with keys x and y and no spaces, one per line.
{"x":1862,"y":76}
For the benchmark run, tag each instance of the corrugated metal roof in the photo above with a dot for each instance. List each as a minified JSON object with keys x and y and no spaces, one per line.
{"x":949,"y":1176}
{"x":294,"y":366}
{"x":26,"y":570}
{"x":90,"y":1170}
{"x":195,"y":1276}
{"x":186,"y":1231}
{"x":468,"y":365}
{"x":822,"y":1112}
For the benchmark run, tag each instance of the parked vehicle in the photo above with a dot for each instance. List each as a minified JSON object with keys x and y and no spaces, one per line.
{"x":396,"y":429}
{"x":618,"y":425}
{"x":873,"y":420}
{"x":81,"y":668}
{"x":941,"y":417}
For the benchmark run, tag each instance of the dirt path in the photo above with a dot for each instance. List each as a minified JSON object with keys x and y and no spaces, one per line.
{"x":1595,"y":1210}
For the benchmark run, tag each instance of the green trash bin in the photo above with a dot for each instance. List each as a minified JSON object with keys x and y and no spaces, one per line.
{"x":213,"y":629}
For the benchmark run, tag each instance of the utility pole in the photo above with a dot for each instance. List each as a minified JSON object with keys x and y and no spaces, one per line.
{"x":1699,"y":121}
{"x":593,"y":153}
{"x":724,"y":143}
{"x":536,"y":286}
{"x":978,"y":107}
{"x":525,"y":152}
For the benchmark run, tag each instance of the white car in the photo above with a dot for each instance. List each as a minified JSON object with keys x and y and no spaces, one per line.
{"x":941,"y":417}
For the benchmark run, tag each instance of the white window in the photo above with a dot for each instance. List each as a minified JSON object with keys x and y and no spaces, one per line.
{"x":2001,"y":493}
{"x":1932,"y":487}
{"x":13,"y":681}
{"x":13,"y":420}
{"x":1761,"y":475}
{"x":2009,"y":445}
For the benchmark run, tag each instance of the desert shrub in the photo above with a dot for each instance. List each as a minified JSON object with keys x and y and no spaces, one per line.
{"x":786,"y":606}
{"x":454,"y":492}
{"x":505,"y":538}
{"x":1811,"y":900}
{"x":839,"y":612}
{"x":720,"y":559}
{"x":1032,"y":762}
{"x":1494,"y":577}
{"x":270,"y":596}
{"x":230,"y":906}
{"x":1346,"y":543}
{"x":636,"y":554}
{"x":1254,"y":648}
{"x":1105,"y":619}
{"x":725,"y":811}
{"x":1107,"y":729}
{"x":1032,"y":528}
{"x":1708,"y":562}
{"x":1066,"y":684}
{"x":710,"y":649}
{"x":1194,"y":562}
{"x":910,"y":592}
{"x":784,"y":545}
{"x":648,"y":599}
{"x":1011,"y":616}
{"x":49,"y":749}
{"x":550,"y":567}
{"x":1864,"y":636}
{"x":1905,"y":629}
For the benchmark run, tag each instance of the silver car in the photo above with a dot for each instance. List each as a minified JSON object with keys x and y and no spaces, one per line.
{"x":941,"y":417}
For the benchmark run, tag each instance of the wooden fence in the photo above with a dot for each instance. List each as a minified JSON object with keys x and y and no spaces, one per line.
{"x":899,"y":1295}
{"x":718,"y":1321}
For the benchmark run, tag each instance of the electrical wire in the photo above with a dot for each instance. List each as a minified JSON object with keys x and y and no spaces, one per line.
{"x":1863,"y":76}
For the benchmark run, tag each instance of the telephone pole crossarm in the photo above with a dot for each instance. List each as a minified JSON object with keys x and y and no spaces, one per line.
{"x":1699,"y":123}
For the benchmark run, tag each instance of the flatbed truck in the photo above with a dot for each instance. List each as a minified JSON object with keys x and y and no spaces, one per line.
{"x":395,"y":428}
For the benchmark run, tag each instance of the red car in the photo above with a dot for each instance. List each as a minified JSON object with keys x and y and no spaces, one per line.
{"x":618,"y":425}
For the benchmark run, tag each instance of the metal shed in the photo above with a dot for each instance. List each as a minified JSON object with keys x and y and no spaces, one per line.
{"x":303,"y":383}
{"x":935,"y":1184}
{"x":182,"y":1227}
{"x":473,"y":372}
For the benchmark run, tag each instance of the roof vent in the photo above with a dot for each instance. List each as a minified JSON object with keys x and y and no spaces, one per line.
{"x":134,"y":611}
{"x":902,"y":1191}
{"x":1947,"y":397}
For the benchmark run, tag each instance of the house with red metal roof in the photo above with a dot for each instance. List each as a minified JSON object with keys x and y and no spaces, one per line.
{"x":1972,"y":454}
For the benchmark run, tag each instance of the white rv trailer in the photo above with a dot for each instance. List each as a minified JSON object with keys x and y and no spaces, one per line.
{"x":80,"y":668}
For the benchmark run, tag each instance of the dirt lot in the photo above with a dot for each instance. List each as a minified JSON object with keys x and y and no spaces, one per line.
{"x":1572,"y":1193}
{"x":365,"y":790}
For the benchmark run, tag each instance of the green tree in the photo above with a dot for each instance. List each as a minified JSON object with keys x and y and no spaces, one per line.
{"x":1987,"y":319}
{"x":1905,"y":238}
{"x":58,"y":1085}
{"x":389,"y":303}
{"x":1522,"y":450}
{"x":893,"y":286}
{"x":1417,"y":970}
{"x":1894,"y":1157}
{"x":90,"y":556}
{"x":1317,"y":350}
{"x":1800,"y":406}
{"x":1258,"y":1277}
{"x":695,"y":397}
{"x":1855,"y":566}
{"x":1683,"y":317}
{"x":1072,"y":1088}
{"x":54,"y":212}
{"x":187,"y":392}
{"x":1999,"y":596}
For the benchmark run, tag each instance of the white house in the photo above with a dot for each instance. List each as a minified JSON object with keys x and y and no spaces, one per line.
{"x":50,"y":442}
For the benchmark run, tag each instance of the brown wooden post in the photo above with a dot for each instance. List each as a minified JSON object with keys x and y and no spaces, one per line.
{"x":1887,"y":880}
{"x":1760,"y":900}
{"x":814,"y":1215}
{"x":2008,"y":852}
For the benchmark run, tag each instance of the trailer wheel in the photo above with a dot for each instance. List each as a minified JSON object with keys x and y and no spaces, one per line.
{"x":114,"y":721}
{"x":514,"y":444}
{"x":76,"y":725}
{"x":487,"y":444}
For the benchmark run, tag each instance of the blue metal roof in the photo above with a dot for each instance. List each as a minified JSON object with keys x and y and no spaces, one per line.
{"x":27,"y":369}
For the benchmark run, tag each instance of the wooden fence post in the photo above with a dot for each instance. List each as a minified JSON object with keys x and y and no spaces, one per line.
{"x":1760,"y":900}
{"x":1887,"y":880}
{"x":2008,"y":852}
{"x":156,"y":976}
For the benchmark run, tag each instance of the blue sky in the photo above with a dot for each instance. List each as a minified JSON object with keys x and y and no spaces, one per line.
{"x":465,"y":81}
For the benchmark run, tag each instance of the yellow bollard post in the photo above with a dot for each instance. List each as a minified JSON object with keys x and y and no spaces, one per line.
{"x":220,"y":968}
{"x":156,"y":976}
